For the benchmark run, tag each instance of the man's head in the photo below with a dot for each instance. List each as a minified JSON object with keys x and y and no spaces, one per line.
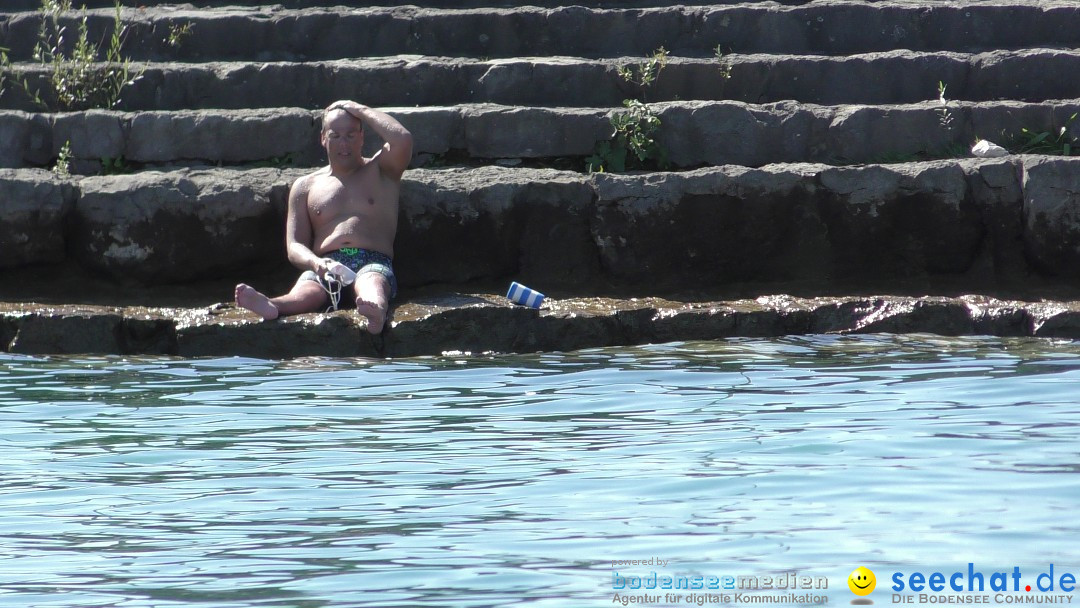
{"x":343,"y":137}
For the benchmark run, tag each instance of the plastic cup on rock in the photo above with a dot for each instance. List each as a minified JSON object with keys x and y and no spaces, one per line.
{"x":520,"y":294}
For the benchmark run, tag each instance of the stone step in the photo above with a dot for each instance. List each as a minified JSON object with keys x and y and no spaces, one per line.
{"x":874,"y":78}
{"x":988,"y":222}
{"x":475,"y":323}
{"x":33,"y":5}
{"x":692,"y":134}
{"x":836,"y":27}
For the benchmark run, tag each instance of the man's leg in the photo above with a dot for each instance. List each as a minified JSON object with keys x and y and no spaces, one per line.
{"x":305,"y":296}
{"x":373,"y":299}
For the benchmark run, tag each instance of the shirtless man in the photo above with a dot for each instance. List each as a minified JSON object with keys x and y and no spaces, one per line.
{"x":345,"y":212}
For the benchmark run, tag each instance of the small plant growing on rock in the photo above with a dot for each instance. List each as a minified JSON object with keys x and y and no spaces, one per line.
{"x":609,"y":156}
{"x":276,"y":162}
{"x":75,"y":81}
{"x":115,"y":166}
{"x":944,"y":115}
{"x":7,"y":72}
{"x":647,"y":71}
{"x":725,"y":65}
{"x":634,"y":143}
{"x":177,"y":34}
{"x":63,"y":160}
{"x":1059,"y":141}
{"x":5,"y":68}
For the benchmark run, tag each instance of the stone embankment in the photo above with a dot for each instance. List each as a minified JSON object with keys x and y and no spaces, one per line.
{"x":811,"y":152}
{"x":478,"y":323}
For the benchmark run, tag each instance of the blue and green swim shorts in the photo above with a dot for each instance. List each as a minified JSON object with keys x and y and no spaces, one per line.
{"x":359,"y":261}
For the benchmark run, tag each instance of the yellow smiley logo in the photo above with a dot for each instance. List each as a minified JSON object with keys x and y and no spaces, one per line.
{"x":861,"y":581}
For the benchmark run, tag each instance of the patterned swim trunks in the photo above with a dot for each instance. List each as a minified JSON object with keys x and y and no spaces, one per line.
{"x":359,"y":261}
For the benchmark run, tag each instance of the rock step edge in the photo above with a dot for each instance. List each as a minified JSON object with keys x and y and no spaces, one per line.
{"x":491,"y":325}
{"x":840,"y":27}
{"x":693,"y":134}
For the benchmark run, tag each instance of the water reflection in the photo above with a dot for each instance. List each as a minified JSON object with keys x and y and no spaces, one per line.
{"x":505,"y":481}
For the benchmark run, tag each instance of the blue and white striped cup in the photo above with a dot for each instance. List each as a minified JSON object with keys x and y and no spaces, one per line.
{"x":519,"y":294}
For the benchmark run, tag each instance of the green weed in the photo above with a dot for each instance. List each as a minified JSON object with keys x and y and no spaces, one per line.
{"x":633,"y":144}
{"x":177,"y":34}
{"x":957,"y":150}
{"x":63,"y":161}
{"x":1059,"y":141}
{"x":646,"y":72}
{"x":276,"y":162}
{"x":944,"y":115}
{"x":8,"y":73}
{"x":725,"y":65}
{"x":5,"y":69}
{"x":115,"y":166}
{"x":75,"y":81}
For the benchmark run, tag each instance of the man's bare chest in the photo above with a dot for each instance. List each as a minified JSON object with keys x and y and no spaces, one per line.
{"x":332,"y":198}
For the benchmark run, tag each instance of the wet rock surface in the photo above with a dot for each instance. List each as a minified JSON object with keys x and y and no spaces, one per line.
{"x":485,"y":322}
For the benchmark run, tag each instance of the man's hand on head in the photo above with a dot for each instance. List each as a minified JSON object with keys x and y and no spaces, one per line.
{"x":349,"y":106}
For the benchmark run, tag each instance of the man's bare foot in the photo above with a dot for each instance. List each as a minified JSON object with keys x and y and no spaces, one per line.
{"x":247,"y":297}
{"x":376,"y":314}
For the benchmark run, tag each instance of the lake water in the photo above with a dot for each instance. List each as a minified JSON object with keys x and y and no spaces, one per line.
{"x":519,"y":480}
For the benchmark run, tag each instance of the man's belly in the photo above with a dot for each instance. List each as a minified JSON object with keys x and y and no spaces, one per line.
{"x":357,"y":232}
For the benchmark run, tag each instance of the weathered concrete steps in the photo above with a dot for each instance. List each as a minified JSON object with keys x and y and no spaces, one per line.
{"x":992,"y":222}
{"x":892,"y":77}
{"x":798,"y":136}
{"x":694,"y":133}
{"x":830,"y":27}
{"x":31,"y":5}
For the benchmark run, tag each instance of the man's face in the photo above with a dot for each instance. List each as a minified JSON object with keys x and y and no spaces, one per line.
{"x":343,"y":138}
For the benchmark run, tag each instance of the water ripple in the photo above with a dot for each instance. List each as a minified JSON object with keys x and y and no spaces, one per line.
{"x":509,"y":481}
